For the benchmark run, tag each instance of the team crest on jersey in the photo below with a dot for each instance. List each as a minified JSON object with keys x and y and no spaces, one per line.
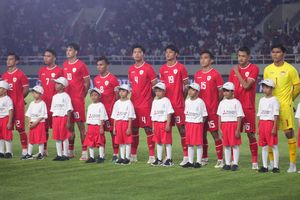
{"x":52,"y":75}
{"x":246,"y":74}
{"x":208,"y":78}
{"x":74,"y":70}
{"x":141,"y":72}
{"x":106,"y":83}
{"x":14,"y":79}
{"x":175,"y":71}
{"x":282,"y":73}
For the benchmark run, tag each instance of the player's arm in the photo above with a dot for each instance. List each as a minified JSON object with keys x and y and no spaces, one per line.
{"x":168,"y":124}
{"x":185,"y":90}
{"x":10,"y":119}
{"x":101,"y":127}
{"x":220,"y":93}
{"x":247,"y":84}
{"x":274,"y":129}
{"x":238,"y":128}
{"x":87,"y":85}
{"x":69,"y":126}
{"x":25,"y":90}
{"x":129,"y":129}
{"x":34,"y":124}
{"x":296,"y":91}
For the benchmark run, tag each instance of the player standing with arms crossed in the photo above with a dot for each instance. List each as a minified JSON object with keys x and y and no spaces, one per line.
{"x":141,"y":77}
{"x":107,"y":84}
{"x":211,"y":83}
{"x":287,"y":88}
{"x":19,"y":88}
{"x":77,"y":74}
{"x":175,"y":77}
{"x":244,"y":77}
{"x":48,"y":72}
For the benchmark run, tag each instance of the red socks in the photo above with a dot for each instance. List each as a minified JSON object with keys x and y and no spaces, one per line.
{"x":135,"y":142}
{"x":219,"y":149}
{"x":254,"y":149}
{"x":184,"y":146}
{"x":23,"y":139}
{"x":114,"y":145}
{"x":205,"y":148}
{"x":151,"y":144}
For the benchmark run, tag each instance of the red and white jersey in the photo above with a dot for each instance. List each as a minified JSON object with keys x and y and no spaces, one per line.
{"x":123,"y":110}
{"x":245,"y":96}
{"x":297,"y":115}
{"x":173,"y":77}
{"x":6,"y":105}
{"x":75,"y":73}
{"x":17,"y":80}
{"x":37,"y":110}
{"x":107,"y":85}
{"x":140,"y":79}
{"x":210,"y":83}
{"x":160,"y":110}
{"x":96,"y":113}
{"x":229,"y":110}
{"x":268,"y":108}
{"x":46,"y":76}
{"x":195,"y":110}
{"x":61,"y":104}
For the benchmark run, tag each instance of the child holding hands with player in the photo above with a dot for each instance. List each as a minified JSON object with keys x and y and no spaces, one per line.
{"x":230,"y":116}
{"x":123,"y":114}
{"x":161,"y":113}
{"x":195,"y":115}
{"x":96,"y":116}
{"x":268,"y":112}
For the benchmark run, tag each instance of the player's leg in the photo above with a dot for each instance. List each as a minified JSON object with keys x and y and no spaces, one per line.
{"x":71,"y":153}
{"x":199,"y":156}
{"x":20,"y":126}
{"x":292,"y":149}
{"x":81,"y":127}
{"x":150,"y":143}
{"x":227,"y":152}
{"x":236,"y":156}
{"x":181,"y":130}
{"x":219,"y":148}
{"x":204,"y":160}
{"x":135,"y":143}
{"x":254,"y":149}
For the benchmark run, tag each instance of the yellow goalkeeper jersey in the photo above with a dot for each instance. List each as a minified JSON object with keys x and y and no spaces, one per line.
{"x":284,"y":77}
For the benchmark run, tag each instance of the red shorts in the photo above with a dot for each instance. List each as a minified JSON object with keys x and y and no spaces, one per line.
{"x":143,"y":118}
{"x":211,"y":123}
{"x":229,"y":129}
{"x":5,"y":134}
{"x":265,"y":133}
{"x":78,"y":114}
{"x":160,"y":134}
{"x":178,"y":117}
{"x":37,"y":135}
{"x":93,"y":137}
{"x":194,"y":133}
{"x":59,"y":128}
{"x":19,"y":118}
{"x":249,"y":121}
{"x":121,"y":136}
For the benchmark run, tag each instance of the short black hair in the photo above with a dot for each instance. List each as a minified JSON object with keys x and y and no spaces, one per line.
{"x":13,"y":54}
{"x":138,"y":46}
{"x":245,"y":49}
{"x":211,"y":55}
{"x":278,"y":46}
{"x":104,"y":58}
{"x":74,"y":45}
{"x":52,"y":51}
{"x":172,"y":47}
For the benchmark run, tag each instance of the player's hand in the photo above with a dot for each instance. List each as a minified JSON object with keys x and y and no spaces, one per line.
{"x":9,"y":126}
{"x":274,"y":133}
{"x":236,"y":69}
{"x":69,"y":126}
{"x":128,"y":131}
{"x":237,"y":134}
{"x":114,"y":132}
{"x":168,"y":128}
{"x":101,"y":130}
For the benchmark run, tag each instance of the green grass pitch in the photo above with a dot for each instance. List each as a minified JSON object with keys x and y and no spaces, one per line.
{"x":74,"y":179}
